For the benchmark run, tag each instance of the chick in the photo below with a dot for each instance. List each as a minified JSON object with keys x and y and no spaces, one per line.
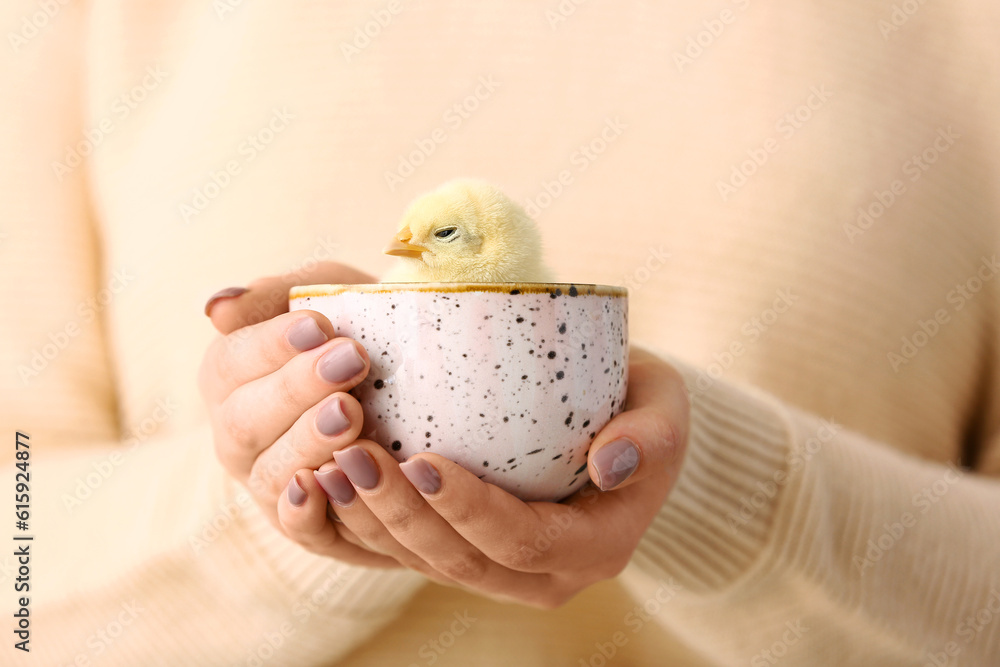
{"x":467,"y":231}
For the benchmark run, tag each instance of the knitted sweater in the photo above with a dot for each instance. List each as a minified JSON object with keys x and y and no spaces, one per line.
{"x":801,"y":198}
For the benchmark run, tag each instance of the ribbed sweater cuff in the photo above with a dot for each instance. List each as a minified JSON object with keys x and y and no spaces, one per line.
{"x":295,"y":576}
{"x":718,"y":518}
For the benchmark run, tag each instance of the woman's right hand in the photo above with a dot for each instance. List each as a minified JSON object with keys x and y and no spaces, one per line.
{"x":275,"y":384}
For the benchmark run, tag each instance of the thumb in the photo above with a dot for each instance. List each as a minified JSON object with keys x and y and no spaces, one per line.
{"x":236,"y":307}
{"x":650,"y":437}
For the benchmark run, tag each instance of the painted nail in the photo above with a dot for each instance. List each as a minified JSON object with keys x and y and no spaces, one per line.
{"x":359,"y":467}
{"x":336,"y":485}
{"x":228,"y":293}
{"x":331,"y":419}
{"x":306,"y":334}
{"x":615,"y":462}
{"x":341,"y":363}
{"x":421,"y":475}
{"x":296,"y":494}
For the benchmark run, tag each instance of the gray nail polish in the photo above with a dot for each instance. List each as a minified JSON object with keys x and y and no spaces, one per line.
{"x":296,"y":494}
{"x":331,"y":419}
{"x":336,"y":485}
{"x":421,"y":475}
{"x":359,"y":467}
{"x":227,"y":293}
{"x":341,"y":363}
{"x":306,"y":334}
{"x":615,"y":462}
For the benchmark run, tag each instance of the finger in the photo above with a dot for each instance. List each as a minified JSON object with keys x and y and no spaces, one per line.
{"x":650,"y":436}
{"x":345,"y":532}
{"x":234,"y":360}
{"x":302,"y":515}
{"x":331,"y":424}
{"x":256,"y":414}
{"x":516,"y":535}
{"x":357,"y":520}
{"x":414,"y":526}
{"x":265,"y":298}
{"x":578,"y":534}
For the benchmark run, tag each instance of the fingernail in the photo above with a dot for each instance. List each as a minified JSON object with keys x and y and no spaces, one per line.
{"x":331,"y":419}
{"x":341,"y":363}
{"x":359,"y":467}
{"x":227,"y":293}
{"x":615,"y":462}
{"x":306,"y":334}
{"x":336,"y":485}
{"x":296,"y":494}
{"x":421,"y":475}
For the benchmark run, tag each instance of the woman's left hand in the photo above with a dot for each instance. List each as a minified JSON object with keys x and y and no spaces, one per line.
{"x":439,"y":519}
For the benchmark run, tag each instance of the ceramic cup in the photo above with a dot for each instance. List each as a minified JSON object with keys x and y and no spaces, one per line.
{"x":512,"y":381}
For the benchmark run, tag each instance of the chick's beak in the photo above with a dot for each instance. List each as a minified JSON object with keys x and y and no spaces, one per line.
{"x":401,"y":247}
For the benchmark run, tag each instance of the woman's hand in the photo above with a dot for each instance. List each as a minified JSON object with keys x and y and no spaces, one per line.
{"x":275,"y":386}
{"x":435,"y":517}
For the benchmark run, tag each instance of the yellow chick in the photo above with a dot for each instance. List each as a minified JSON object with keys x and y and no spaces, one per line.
{"x":467,"y":231}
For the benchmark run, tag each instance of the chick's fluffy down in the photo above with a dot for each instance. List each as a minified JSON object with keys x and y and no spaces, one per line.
{"x":469,"y":231}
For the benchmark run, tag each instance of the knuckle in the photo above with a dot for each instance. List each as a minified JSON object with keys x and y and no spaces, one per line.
{"x":468,"y":567}
{"x":368,"y":534}
{"x":259,"y":483}
{"x":261,"y":340}
{"x":667,"y":428}
{"x":315,"y":541}
{"x":380,"y":542}
{"x":523,"y":556}
{"x":234,"y":423}
{"x":286,"y":393}
{"x":463,"y":514}
{"x":397,"y":519}
{"x":274,"y":348}
{"x":227,"y":356}
{"x":212,"y":372}
{"x":269,"y":474}
{"x":669,"y":438}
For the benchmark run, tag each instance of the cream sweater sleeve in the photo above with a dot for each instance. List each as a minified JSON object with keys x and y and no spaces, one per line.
{"x":791,"y":538}
{"x":148,"y":554}
{"x":144,"y":552}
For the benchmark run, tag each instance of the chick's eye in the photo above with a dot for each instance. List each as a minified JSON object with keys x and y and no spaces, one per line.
{"x":446,"y":233}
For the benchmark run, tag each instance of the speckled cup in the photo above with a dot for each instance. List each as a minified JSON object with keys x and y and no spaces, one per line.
{"x":510,"y":380}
